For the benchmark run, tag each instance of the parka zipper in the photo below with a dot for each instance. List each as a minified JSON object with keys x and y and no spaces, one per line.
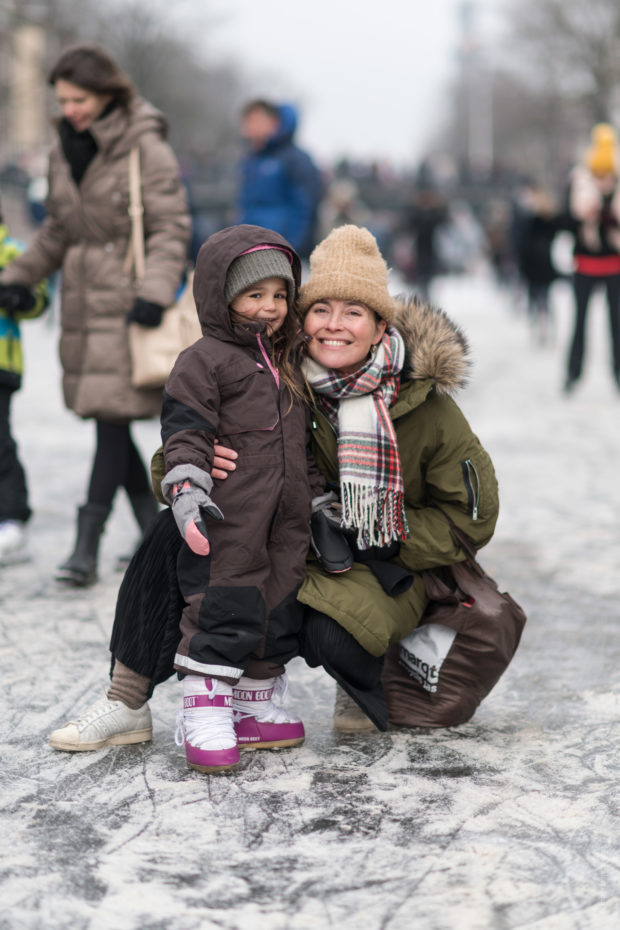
{"x":472,"y":486}
{"x":319,"y":413}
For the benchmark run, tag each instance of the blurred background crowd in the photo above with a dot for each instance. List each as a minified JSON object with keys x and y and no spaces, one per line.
{"x":517,"y":112}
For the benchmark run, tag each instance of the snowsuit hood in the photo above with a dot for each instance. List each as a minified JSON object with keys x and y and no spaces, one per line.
{"x":214,"y":259}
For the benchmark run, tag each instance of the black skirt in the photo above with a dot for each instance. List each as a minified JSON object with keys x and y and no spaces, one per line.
{"x":146,"y":633}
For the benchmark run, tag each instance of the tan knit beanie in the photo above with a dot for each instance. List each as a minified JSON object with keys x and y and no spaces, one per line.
{"x":348,"y":265}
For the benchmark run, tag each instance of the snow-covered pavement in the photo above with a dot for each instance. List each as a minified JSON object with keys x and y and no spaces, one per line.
{"x":507,"y":822}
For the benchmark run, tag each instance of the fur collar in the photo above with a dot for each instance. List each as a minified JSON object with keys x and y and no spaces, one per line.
{"x":436,"y":348}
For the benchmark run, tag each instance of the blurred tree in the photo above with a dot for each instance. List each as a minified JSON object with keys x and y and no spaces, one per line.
{"x":152,"y":41}
{"x":551,"y":74}
{"x":200,"y":99}
{"x":574,"y":47}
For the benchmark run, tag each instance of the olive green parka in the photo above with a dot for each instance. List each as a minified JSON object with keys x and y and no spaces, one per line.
{"x":445,"y":469}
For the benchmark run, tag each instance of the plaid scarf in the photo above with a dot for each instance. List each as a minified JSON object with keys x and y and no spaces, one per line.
{"x":357,"y":405}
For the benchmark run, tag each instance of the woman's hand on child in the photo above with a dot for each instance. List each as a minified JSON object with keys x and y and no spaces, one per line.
{"x":223,"y":461}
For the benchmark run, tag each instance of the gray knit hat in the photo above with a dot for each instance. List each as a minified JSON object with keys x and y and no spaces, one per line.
{"x":255,"y":266}
{"x":348,"y":265}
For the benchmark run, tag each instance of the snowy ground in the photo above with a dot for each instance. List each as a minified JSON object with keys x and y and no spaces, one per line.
{"x":507,"y":822}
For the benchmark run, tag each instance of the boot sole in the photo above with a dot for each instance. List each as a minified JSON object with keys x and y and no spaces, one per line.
{"x":76,"y":581}
{"x":119,"y":739}
{"x":271,"y":744}
{"x":212,"y":769}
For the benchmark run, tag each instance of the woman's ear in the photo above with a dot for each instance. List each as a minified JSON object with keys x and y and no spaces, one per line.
{"x":380,"y":327}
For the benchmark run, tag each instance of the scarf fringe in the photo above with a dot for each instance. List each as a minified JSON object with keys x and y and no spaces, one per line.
{"x":377,"y":514}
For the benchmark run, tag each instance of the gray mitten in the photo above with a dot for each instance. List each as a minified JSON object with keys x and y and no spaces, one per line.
{"x":187,"y":489}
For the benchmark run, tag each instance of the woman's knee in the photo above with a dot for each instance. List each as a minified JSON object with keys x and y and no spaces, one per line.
{"x":325,"y":642}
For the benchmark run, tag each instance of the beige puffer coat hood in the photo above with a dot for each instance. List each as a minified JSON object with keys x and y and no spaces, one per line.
{"x":87,"y":233}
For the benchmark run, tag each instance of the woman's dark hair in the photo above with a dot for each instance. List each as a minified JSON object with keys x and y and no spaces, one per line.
{"x":90,"y":67}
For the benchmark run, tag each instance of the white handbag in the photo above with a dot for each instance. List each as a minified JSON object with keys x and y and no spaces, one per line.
{"x":154,"y":349}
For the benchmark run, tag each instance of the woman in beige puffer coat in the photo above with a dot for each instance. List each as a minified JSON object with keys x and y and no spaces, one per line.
{"x":87,"y":234}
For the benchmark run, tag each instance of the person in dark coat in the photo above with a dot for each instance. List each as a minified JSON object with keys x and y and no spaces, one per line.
{"x":594,"y":206}
{"x":424,"y":217}
{"x":280,"y":185}
{"x":540,"y":224}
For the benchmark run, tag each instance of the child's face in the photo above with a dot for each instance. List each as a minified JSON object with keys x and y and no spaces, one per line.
{"x":264,"y":301}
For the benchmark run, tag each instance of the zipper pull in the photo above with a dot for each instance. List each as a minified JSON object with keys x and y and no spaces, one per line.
{"x":475,"y":491}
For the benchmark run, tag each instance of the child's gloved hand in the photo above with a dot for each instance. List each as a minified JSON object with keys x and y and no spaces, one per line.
{"x":186,"y":489}
{"x":15,"y":298}
{"x":189,"y":507}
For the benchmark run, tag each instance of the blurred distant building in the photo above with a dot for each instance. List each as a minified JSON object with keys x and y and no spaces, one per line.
{"x":23,"y":64}
{"x":476,"y":108}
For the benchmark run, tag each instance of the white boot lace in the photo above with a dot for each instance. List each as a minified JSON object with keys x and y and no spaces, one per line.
{"x":270,"y":711}
{"x":206,"y":727}
{"x":179,"y":730}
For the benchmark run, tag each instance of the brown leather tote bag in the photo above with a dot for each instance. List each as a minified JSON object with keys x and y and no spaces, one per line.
{"x":488,"y":625}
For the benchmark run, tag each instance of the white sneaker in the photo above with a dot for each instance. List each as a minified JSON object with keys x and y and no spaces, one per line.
{"x":106,"y":723}
{"x":13,"y":542}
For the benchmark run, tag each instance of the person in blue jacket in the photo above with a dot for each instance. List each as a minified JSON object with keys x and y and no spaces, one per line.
{"x":280,"y":185}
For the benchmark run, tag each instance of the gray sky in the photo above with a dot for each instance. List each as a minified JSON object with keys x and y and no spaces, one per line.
{"x":368,"y":76}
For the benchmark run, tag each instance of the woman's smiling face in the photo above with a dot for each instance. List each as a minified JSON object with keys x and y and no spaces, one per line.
{"x":341,"y":333}
{"x":79,"y":106}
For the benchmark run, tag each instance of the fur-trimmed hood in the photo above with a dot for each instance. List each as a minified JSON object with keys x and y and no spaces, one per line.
{"x":436,"y":348}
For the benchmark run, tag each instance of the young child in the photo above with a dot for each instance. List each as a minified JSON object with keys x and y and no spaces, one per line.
{"x":16,"y":303}
{"x":244,"y":557}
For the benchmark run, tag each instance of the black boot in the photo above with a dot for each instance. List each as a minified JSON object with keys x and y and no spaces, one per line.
{"x":145,"y":509}
{"x":324,"y":642}
{"x":80,"y":569}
